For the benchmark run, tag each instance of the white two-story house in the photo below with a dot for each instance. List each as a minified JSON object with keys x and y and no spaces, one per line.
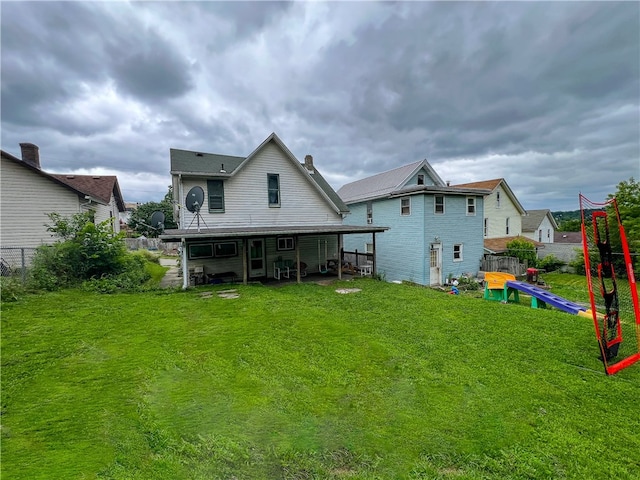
{"x":502,"y":215}
{"x":262,"y":216}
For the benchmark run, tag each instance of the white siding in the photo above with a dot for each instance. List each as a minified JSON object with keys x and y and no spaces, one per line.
{"x":547,"y":232}
{"x":106,"y":212}
{"x":497,"y":215}
{"x":246,"y":201}
{"x":25,"y":200}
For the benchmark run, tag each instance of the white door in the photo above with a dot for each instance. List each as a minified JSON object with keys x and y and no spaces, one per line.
{"x":435,"y":264}
{"x":257,"y":266}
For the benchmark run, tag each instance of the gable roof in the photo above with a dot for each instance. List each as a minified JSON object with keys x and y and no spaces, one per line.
{"x":394,"y":182}
{"x":185,"y":162}
{"x":532,"y":220}
{"x":18,"y":161}
{"x":98,"y":187}
{"x":492,"y":185}
{"x":499,"y":245}
{"x":567,"y":237}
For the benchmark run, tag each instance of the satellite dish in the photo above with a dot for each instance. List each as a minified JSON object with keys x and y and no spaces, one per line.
{"x":194,"y":199}
{"x":157,"y":220}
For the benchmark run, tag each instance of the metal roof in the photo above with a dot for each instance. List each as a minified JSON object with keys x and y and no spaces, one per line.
{"x":246,"y":232}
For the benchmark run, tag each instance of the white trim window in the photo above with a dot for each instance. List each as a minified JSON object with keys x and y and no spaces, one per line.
{"x":438,"y":205}
{"x":285,"y":243}
{"x":471,"y":206}
{"x":498,"y":199}
{"x":486,"y":227}
{"x":405,"y":206}
{"x":273,"y":189}
{"x":457,"y":252}
{"x":215,"y":192}
{"x":506,"y":225}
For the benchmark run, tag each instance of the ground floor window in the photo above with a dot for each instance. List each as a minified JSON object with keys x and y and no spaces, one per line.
{"x":457,"y":252}
{"x":285,"y":243}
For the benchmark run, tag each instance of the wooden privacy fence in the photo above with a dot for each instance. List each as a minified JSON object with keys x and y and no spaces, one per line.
{"x":495,"y":263}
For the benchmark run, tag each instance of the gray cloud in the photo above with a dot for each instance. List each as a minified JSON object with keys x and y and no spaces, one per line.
{"x":543,"y":94}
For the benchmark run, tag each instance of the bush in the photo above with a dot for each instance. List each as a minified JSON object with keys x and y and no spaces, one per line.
{"x":148,"y":256}
{"x":524,"y":250}
{"x":11,"y":289}
{"x":131,"y":279}
{"x":550,"y":263}
{"x":86,"y":252}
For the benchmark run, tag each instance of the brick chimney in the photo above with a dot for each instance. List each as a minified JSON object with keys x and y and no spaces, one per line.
{"x":30,"y":154}
{"x":308,"y":163}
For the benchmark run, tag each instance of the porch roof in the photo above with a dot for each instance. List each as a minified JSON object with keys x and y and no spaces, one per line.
{"x":176,"y":235}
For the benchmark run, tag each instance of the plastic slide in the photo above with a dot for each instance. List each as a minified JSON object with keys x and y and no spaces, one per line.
{"x":546,"y":297}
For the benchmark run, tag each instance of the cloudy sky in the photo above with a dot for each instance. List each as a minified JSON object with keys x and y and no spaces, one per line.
{"x":546,"y":95}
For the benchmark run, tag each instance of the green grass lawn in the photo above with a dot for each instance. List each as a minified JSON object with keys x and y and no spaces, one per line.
{"x":300,"y":382}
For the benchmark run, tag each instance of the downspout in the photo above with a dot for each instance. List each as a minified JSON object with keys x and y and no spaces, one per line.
{"x":185,"y":267}
{"x":180,"y":193}
{"x":295,"y":239}
{"x":339,"y":261}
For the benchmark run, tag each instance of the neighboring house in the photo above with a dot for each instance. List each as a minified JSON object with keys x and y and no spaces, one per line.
{"x":104,"y":193}
{"x":265,"y":215}
{"x":539,"y":225}
{"x":565,"y":246}
{"x":435,"y":230}
{"x":502,"y":210}
{"x":28,"y":194}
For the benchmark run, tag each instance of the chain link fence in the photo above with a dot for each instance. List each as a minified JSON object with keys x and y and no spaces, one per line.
{"x":15,"y":261}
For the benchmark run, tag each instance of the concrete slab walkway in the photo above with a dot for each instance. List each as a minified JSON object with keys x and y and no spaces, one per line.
{"x":173,"y":277}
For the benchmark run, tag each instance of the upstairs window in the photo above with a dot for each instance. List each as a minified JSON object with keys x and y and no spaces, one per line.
{"x":506,"y":225}
{"x":486,"y":227}
{"x":498,"y":199}
{"x":471,"y":205}
{"x":273,"y":187}
{"x":369,"y":213}
{"x":540,"y":235}
{"x":439,"y":205}
{"x":405,"y":206}
{"x":215,"y":190}
{"x":420,"y":179}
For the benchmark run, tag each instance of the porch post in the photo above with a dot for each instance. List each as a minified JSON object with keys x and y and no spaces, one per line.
{"x":245,"y":255}
{"x":296,"y":239}
{"x":339,"y":260}
{"x":185,"y":267}
{"x":373,"y":267}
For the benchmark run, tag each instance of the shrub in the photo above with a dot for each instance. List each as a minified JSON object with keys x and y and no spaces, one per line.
{"x":148,"y":256}
{"x":132,"y":278}
{"x":86,"y":252}
{"x":11,"y":289}
{"x":524,"y":250}
{"x":550,"y":263}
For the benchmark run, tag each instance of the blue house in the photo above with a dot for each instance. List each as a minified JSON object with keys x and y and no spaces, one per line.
{"x":436,"y":231}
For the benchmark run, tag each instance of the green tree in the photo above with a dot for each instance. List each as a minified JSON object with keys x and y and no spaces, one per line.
{"x":628,"y":199}
{"x":570,"y":225}
{"x":140,"y":221}
{"x":524,"y":250}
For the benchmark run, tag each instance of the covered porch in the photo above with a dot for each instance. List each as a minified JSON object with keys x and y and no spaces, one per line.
{"x":244,"y":254}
